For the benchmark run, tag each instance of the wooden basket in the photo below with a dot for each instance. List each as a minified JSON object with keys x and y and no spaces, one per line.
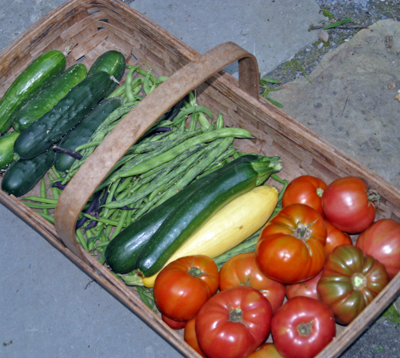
{"x":89,"y":28}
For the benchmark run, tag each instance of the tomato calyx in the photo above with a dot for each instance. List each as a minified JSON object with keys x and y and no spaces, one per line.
{"x":305,"y":329}
{"x":235,"y":315}
{"x":195,"y":272}
{"x":303,"y":232}
{"x":373,"y":197}
{"x":359,"y":281}
{"x":320,"y":191}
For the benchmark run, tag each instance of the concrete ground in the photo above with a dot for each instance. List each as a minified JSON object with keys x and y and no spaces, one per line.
{"x":50,"y":308}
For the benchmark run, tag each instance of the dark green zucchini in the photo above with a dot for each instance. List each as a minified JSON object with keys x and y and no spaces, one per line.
{"x":65,"y":115}
{"x":83,"y":131}
{"x":48,"y":97}
{"x":24,"y":174}
{"x":113,"y":62}
{"x":188,"y":217}
{"x":7,"y":149}
{"x":34,"y":78}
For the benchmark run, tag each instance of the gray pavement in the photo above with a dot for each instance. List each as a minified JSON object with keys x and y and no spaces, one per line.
{"x":49,"y":307}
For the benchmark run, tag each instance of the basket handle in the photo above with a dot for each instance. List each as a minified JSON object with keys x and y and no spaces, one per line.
{"x":132,"y":126}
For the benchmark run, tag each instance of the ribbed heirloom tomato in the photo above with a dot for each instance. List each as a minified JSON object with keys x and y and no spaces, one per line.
{"x":184,"y":285}
{"x":242,"y":269}
{"x":291,"y":247}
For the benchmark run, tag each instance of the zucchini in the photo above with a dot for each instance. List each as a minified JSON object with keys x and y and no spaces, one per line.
{"x":228,"y":227}
{"x":24,"y":174}
{"x":35,"y":77}
{"x":7,"y":149}
{"x":65,"y":115}
{"x":83,"y":131}
{"x":47,"y":98}
{"x":193,"y":212}
{"x":122,"y":252}
{"x":113,"y":62}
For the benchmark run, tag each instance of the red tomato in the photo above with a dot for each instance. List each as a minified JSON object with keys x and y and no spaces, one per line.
{"x":335,"y":237}
{"x":291,"y":247}
{"x":267,"y":350}
{"x":306,"y":289}
{"x":302,"y":327}
{"x":306,"y":190}
{"x":382,"y":241}
{"x":242,"y":270}
{"x":190,"y":336}
{"x":184,"y":285}
{"x":350,"y":281}
{"x":173,"y":324}
{"x":348,"y":204}
{"x":233,"y":323}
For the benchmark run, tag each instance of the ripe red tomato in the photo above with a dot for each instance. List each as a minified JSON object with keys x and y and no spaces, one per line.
{"x":302,"y":327}
{"x":349,"y":205}
{"x":190,"y":336}
{"x":233,"y":323}
{"x":291,"y":247}
{"x":267,"y":350}
{"x":173,"y":324}
{"x":306,"y":289}
{"x":184,"y":285}
{"x":335,"y":237}
{"x":350,"y":281}
{"x":382,"y":241}
{"x":305,"y":189}
{"x":242,"y":269}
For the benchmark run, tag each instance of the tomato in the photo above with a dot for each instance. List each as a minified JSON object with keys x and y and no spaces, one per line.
{"x":242,"y":269}
{"x":348,"y":204}
{"x":190,"y":336}
{"x":233,"y":323}
{"x":184,"y":285}
{"x":173,"y":324}
{"x":307,"y":288}
{"x":350,"y":281}
{"x":302,"y":327}
{"x":267,"y":350}
{"x":382,"y":241}
{"x":291,"y":247}
{"x":305,"y":189}
{"x":335,"y":237}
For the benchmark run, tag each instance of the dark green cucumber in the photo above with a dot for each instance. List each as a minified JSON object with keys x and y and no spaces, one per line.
{"x":34,"y":78}
{"x":48,"y":97}
{"x":24,"y":174}
{"x":122,"y":252}
{"x":7,"y":149}
{"x":83,"y":131}
{"x":188,"y":217}
{"x":113,"y":62}
{"x":65,"y":115}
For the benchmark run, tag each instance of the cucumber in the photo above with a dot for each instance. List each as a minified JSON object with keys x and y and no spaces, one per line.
{"x":24,"y":174}
{"x":65,"y":115}
{"x":193,"y":212}
{"x":48,"y":97}
{"x":34,"y":78}
{"x":113,"y":62}
{"x":7,"y":149}
{"x":83,"y":131}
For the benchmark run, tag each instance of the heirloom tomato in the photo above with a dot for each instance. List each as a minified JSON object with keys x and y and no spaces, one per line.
{"x":350,"y":281}
{"x":291,"y":247}
{"x":190,"y":337}
{"x":302,"y":327}
{"x":335,"y":237}
{"x":242,"y":270}
{"x":305,"y":189}
{"x":184,"y":285}
{"x":267,"y":350}
{"x":233,"y":323}
{"x":171,"y":323}
{"x":382,"y":241}
{"x":306,"y":289}
{"x":349,"y":205}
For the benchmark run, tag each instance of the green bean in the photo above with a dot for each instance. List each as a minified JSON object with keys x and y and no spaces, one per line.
{"x":44,"y":207}
{"x":102,"y":220}
{"x":220,"y":121}
{"x":87,"y":145}
{"x":123,"y":185}
{"x":53,"y":189}
{"x":41,"y":200}
{"x":48,"y":217}
{"x":110,"y":196}
{"x":111,"y":225}
{"x":185,"y":112}
{"x":128,"y":86}
{"x":81,"y":240}
{"x":204,"y":121}
{"x":175,"y":151}
{"x":55,"y":172}
{"x":43,"y":194}
{"x":122,"y":222}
